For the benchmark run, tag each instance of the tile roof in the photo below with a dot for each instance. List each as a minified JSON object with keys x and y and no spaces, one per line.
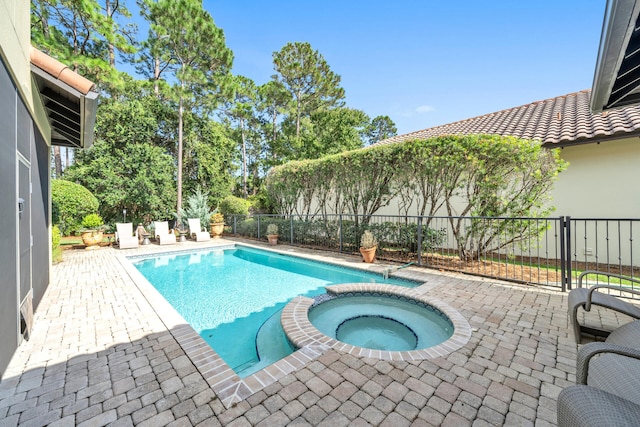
{"x":564,"y":120}
{"x":60,"y":71}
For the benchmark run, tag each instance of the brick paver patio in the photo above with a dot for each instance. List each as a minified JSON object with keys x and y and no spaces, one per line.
{"x":99,"y":354}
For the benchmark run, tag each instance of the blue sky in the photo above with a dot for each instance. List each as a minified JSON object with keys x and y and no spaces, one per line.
{"x":425,"y":63}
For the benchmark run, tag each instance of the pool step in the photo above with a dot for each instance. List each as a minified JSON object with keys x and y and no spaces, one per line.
{"x":271,"y":345}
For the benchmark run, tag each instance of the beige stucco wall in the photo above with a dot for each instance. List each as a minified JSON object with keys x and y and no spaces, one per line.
{"x":602,"y":181}
{"x":15,"y":44}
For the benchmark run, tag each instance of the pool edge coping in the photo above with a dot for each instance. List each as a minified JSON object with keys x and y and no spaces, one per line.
{"x":302,"y":333}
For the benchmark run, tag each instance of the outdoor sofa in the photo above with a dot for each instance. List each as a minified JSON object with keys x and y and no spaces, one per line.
{"x":607,"y":392}
{"x":584,"y":298}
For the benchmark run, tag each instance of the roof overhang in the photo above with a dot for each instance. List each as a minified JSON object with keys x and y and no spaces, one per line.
{"x":69,"y":100}
{"x":616,"y":82}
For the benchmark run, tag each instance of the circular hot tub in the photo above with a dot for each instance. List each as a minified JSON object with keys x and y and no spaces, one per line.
{"x":376,"y":320}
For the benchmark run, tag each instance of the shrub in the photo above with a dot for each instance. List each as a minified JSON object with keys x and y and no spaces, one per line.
{"x":216,"y":218}
{"x":196,"y":208}
{"x":232,"y":205}
{"x":272,"y":229}
{"x":56,"y":251}
{"x":368,"y":240}
{"x":92,"y":222}
{"x":70,"y":202}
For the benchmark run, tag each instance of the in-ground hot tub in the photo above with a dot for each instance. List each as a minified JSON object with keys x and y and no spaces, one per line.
{"x":376,"y":320}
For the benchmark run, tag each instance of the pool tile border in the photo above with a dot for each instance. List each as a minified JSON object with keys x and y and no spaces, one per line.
{"x":296,"y":324}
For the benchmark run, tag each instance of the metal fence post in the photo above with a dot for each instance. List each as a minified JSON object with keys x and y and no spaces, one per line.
{"x":419,"y":240}
{"x":563,"y":264}
{"x":568,"y":256}
{"x":291,"y":218}
{"x":258,"y":236}
{"x":235,"y":225}
{"x":340,"y":231}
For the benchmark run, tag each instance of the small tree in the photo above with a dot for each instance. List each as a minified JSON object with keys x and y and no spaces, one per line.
{"x":197,"y":207}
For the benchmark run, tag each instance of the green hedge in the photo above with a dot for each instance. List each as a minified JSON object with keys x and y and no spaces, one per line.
{"x":70,"y":202}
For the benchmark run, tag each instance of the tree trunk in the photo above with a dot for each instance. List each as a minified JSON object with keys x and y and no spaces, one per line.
{"x":275,"y":131}
{"x":180,"y":114}
{"x":57,"y":159}
{"x":156,"y":75}
{"x":112,"y":55}
{"x":244,"y":160}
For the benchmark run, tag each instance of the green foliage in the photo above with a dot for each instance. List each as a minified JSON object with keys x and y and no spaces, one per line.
{"x":197,"y":207}
{"x":216,"y":218}
{"x":82,"y":35}
{"x":125,"y":168}
{"x":272,"y":229}
{"x":92,"y":222}
{"x":307,"y":76}
{"x":232,"y":205}
{"x":70,"y":202}
{"x":381,"y":127}
{"x":479,"y":175}
{"x":55,"y":237}
{"x":56,"y":251}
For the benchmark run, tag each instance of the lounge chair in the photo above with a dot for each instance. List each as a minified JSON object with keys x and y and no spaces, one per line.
{"x":608,"y":377}
{"x":586,"y":297}
{"x":125,"y":237}
{"x":162,"y":233}
{"x":195,"y":230}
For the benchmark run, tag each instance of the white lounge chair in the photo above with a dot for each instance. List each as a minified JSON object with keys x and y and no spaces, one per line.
{"x":162,"y":233}
{"x":195,"y":230}
{"x":125,"y":237}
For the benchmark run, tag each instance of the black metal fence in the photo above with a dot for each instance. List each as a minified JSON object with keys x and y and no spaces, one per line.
{"x":550,"y":252}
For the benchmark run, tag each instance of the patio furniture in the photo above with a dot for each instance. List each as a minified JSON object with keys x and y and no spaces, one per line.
{"x":125,"y":237}
{"x":608,"y":377}
{"x":195,"y":230}
{"x":586,"y":297}
{"x":162,"y":233}
{"x":585,"y":406}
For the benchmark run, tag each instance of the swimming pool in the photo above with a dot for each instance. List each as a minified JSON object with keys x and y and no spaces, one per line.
{"x":233,"y":297}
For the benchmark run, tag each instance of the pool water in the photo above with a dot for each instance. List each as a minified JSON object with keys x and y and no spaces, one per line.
{"x":233,"y":297}
{"x":381,"y":322}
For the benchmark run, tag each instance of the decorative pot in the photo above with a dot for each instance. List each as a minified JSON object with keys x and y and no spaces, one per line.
{"x":273,"y":239}
{"x":216,"y":229}
{"x":369,"y":254}
{"x":92,"y":239}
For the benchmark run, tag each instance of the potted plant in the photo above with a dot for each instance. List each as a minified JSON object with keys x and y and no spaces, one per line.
{"x":368,"y":246}
{"x":272,"y":234}
{"x":92,"y":231}
{"x":216,"y":224}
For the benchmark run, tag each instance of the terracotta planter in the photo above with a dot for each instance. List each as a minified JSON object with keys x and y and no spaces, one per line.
{"x":216,"y":229}
{"x":368,"y":255}
{"x":273,"y":239}
{"x":92,"y":239}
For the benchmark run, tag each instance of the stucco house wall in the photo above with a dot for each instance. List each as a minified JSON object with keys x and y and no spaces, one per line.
{"x":602,"y":180}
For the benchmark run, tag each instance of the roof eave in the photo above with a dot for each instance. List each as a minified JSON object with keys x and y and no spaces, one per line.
{"x":618,"y":26}
{"x":69,"y":100}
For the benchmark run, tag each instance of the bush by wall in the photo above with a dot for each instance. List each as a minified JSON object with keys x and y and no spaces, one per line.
{"x":56,"y":251}
{"x":461,"y":175}
{"x":70,"y":202}
{"x":232,"y":205}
